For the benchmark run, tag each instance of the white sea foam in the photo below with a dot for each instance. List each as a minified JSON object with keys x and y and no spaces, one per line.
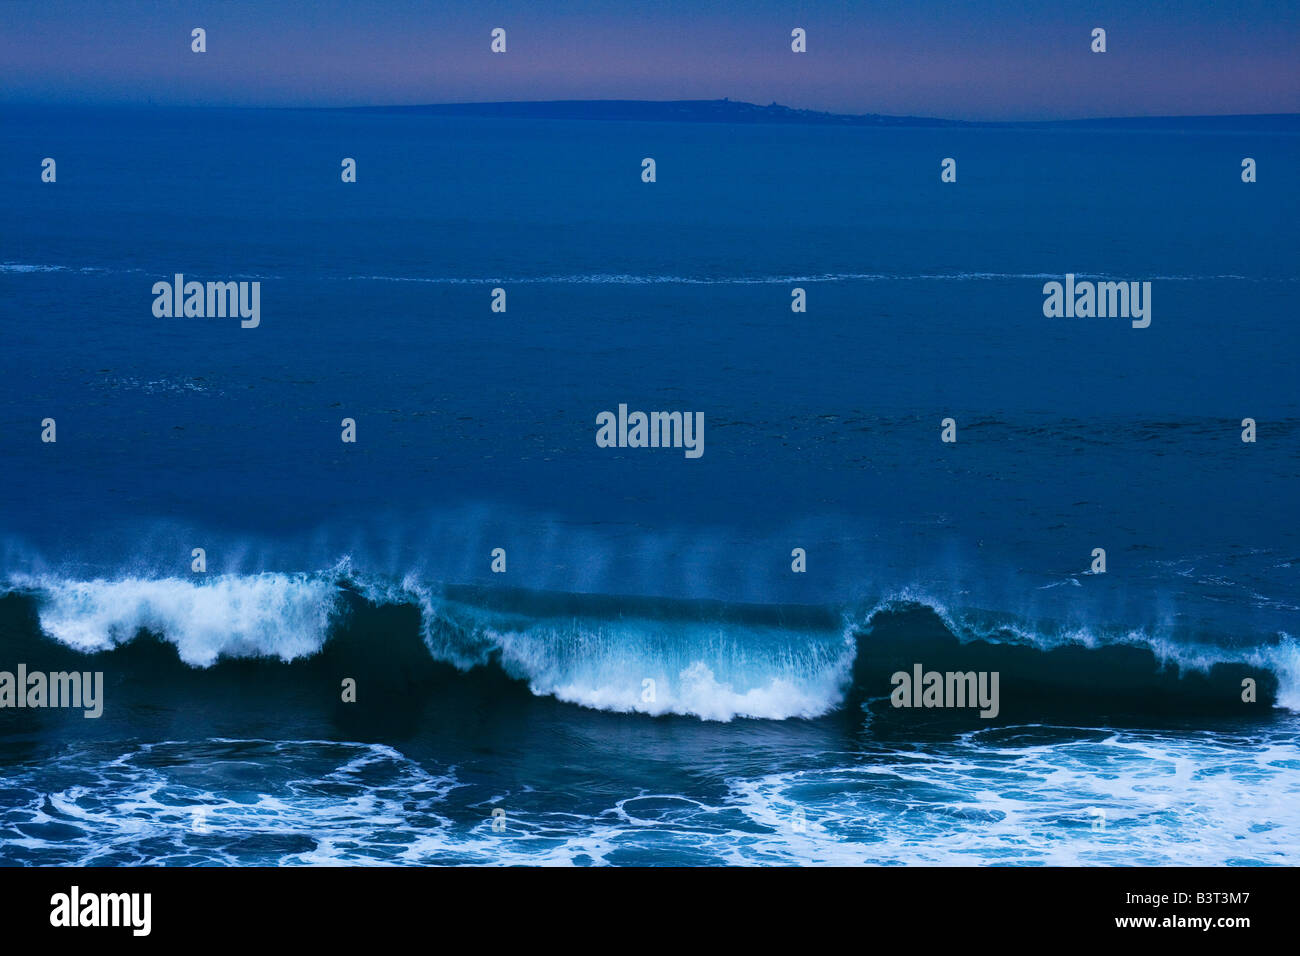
{"x":1005,"y":798}
{"x":1025,"y":795}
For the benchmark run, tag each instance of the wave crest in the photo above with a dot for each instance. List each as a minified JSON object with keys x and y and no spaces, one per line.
{"x":644,"y":655}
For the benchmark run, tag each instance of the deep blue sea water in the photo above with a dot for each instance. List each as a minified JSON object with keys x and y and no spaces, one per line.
{"x":769,"y":736}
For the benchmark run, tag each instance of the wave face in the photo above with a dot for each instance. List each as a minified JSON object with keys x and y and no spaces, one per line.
{"x":653,"y":656}
{"x":713,"y":669}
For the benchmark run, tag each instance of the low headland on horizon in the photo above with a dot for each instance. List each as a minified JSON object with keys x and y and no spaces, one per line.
{"x":735,"y":111}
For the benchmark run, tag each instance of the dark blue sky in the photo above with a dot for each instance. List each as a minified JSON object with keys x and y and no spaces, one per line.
{"x":968,"y":59}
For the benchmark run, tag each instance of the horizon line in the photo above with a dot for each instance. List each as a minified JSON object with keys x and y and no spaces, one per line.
{"x":773,"y":112}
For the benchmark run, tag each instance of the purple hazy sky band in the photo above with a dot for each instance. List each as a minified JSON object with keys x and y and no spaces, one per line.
{"x":961,"y":58}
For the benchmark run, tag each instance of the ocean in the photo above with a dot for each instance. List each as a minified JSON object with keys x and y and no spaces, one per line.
{"x":649,"y":681}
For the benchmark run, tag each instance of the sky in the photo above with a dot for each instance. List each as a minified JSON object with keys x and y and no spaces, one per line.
{"x":959,"y":59}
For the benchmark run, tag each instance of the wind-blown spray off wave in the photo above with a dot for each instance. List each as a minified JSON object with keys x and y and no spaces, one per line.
{"x":655,"y":656}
